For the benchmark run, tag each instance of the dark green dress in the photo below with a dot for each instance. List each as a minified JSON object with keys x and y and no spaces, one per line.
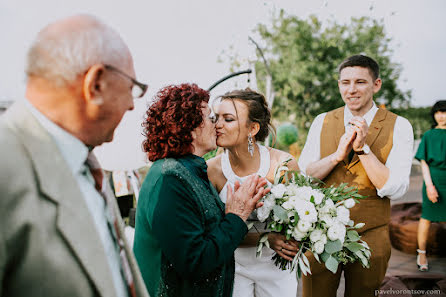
{"x":184,"y":243}
{"x":432,"y":150}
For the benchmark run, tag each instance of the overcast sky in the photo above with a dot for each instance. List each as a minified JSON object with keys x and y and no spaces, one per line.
{"x":180,"y":41}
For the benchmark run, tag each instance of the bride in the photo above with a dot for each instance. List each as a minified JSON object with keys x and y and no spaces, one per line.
{"x":242,"y":121}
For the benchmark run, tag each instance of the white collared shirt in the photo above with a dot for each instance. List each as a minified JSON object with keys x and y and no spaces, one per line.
{"x":75,"y":153}
{"x":399,"y":160}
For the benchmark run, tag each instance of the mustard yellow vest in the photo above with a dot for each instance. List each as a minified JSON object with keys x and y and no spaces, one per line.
{"x":374,"y":211}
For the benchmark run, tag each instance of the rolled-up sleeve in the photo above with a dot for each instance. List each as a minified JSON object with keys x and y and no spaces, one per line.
{"x":399,"y":161}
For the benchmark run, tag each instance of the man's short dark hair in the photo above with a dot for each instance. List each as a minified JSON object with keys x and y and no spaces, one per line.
{"x":361,"y":61}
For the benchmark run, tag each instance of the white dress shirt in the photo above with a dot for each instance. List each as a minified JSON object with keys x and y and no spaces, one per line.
{"x":75,"y":154}
{"x":399,"y":160}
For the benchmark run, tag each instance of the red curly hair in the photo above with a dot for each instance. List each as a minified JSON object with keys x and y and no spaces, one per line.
{"x":170,"y":120}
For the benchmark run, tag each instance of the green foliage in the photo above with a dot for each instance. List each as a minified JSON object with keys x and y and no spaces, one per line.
{"x":333,"y":246}
{"x":419,"y":117}
{"x":287,"y":134}
{"x":304,"y":54}
{"x":210,"y":155}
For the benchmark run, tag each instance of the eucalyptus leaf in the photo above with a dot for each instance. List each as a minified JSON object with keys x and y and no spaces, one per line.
{"x":354,"y":247}
{"x":353,"y":235}
{"x":332,"y":264}
{"x":333,"y":246}
{"x":259,"y":249}
{"x":325,"y":256}
{"x":280,"y":212}
{"x":316,"y":256}
{"x":305,"y":259}
{"x":364,"y":260}
{"x":259,"y":246}
{"x":264,"y":237}
{"x":305,"y":269}
{"x":367,"y":253}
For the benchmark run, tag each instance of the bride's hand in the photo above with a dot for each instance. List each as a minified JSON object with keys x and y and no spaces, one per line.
{"x":287,"y":249}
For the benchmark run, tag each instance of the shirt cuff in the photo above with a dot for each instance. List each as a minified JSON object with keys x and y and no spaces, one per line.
{"x":395,"y":187}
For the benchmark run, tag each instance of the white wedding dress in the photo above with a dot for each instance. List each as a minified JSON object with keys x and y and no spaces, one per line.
{"x":254,"y":276}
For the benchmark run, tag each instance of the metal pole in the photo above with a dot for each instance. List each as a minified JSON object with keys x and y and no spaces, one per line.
{"x":228,"y":77}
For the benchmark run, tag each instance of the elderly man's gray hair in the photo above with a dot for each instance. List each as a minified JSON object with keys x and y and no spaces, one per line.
{"x":64,"y":50}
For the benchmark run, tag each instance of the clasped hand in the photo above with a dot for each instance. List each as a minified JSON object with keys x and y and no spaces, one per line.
{"x":353,"y":138}
{"x":287,"y":249}
{"x":244,"y":199}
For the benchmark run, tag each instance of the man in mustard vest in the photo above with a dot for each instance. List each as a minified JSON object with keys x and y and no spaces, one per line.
{"x":367,"y":147}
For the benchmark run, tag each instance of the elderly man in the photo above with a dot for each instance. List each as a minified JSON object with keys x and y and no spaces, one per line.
{"x":61,"y":233}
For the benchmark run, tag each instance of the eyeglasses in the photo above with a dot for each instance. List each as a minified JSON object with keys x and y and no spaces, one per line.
{"x":138,"y":89}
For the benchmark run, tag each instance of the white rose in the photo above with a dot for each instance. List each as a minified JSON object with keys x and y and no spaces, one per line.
{"x":294,"y":198}
{"x":307,"y":192}
{"x":323,"y":238}
{"x":316,"y":235}
{"x":327,"y":218}
{"x":288,"y":205}
{"x":278,"y":190}
{"x":336,"y":231}
{"x":264,"y":211}
{"x":297,"y":234}
{"x":307,"y":212}
{"x":342,"y":214}
{"x":318,"y":247}
{"x":297,"y":203}
{"x":318,"y":196}
{"x":303,"y":226}
{"x":329,"y":204}
{"x":349,"y":203}
{"x":293,"y":189}
{"x":328,"y":207}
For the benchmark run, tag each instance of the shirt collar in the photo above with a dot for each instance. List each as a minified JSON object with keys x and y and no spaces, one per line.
{"x":73,"y":150}
{"x":368,"y":116}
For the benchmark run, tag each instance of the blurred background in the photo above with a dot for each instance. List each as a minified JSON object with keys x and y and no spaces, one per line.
{"x":292,"y":47}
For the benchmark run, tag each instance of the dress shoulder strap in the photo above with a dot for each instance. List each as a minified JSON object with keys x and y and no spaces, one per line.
{"x":229,"y":174}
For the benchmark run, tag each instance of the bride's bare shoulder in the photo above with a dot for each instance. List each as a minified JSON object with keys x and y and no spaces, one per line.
{"x":215,"y":173}
{"x":214,"y":163}
{"x":278,"y":156}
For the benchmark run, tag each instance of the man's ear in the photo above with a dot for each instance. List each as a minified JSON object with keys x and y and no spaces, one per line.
{"x":377,"y":85}
{"x":94,"y":84}
{"x":254,"y":128}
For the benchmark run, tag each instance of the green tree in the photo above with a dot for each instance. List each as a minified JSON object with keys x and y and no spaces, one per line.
{"x":303,"y":55}
{"x":419,"y":117}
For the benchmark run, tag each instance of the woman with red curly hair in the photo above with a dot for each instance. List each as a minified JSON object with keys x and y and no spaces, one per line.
{"x":185,"y":236}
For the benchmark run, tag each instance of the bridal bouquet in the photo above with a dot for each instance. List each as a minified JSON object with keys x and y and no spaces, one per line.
{"x":319,"y":218}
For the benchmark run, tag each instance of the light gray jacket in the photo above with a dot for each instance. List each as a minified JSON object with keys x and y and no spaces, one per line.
{"x":48,"y":244}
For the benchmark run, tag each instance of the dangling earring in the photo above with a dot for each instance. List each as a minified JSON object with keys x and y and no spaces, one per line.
{"x":250,"y":145}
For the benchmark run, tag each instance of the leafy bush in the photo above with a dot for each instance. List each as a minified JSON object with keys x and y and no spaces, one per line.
{"x":287,"y":134}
